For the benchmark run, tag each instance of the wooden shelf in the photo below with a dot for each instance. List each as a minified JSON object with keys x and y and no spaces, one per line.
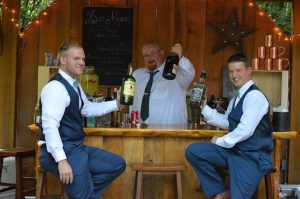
{"x":275,"y":85}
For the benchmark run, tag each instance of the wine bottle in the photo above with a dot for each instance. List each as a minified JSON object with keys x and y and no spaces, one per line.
{"x":171,"y":65}
{"x":127,"y":88}
{"x":198,"y":91}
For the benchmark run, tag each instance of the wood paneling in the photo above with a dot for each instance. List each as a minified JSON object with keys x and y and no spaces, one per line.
{"x":294,"y":163}
{"x":8,"y":75}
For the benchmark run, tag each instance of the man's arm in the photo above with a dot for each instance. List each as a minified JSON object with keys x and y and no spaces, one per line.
{"x":186,"y":72}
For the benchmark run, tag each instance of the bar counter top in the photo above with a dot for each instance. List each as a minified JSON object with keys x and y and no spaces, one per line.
{"x":184,"y":131}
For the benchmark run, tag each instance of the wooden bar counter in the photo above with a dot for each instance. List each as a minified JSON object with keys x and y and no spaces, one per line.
{"x":162,"y":144}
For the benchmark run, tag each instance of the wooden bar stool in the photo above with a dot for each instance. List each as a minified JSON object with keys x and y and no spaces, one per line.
{"x":19,"y":153}
{"x":40,"y":185}
{"x":157,"y":169}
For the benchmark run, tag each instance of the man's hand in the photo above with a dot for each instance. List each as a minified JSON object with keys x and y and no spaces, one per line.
{"x":214,"y":139}
{"x":65,"y":172}
{"x":204,"y":102}
{"x":177,"y":49}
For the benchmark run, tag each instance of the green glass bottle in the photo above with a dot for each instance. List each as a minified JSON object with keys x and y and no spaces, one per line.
{"x":127,"y":88}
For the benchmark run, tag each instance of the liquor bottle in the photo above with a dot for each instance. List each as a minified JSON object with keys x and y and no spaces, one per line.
{"x":198,"y":91}
{"x":171,"y":66}
{"x":115,"y":114}
{"x":127,"y":88}
{"x":37,"y":114}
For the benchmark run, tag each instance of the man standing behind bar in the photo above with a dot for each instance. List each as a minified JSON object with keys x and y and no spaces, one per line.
{"x":167,"y":100}
{"x":84,"y":171}
{"x":246,"y":149}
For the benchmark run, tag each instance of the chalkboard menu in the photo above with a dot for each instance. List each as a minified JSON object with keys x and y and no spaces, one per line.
{"x":107,"y":42}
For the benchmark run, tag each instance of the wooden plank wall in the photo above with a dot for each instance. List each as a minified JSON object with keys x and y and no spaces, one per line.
{"x":294,"y":164}
{"x":8,"y":75}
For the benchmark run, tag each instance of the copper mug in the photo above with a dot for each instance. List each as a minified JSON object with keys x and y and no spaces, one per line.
{"x":268,"y":64}
{"x":255,"y":64}
{"x":261,"y":52}
{"x":276,"y":52}
{"x":281,"y":63}
{"x":269,"y":40}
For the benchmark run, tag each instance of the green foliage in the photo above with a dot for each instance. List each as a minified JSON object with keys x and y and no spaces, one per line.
{"x":32,"y":8}
{"x":281,"y":12}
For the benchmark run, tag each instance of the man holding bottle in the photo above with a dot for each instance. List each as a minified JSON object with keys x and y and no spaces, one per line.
{"x":84,"y":171}
{"x":159,"y":100}
{"x":246,"y":149}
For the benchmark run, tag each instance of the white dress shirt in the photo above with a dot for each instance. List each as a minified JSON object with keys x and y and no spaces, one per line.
{"x":167,"y":103}
{"x":55,"y":99}
{"x":255,"y":106}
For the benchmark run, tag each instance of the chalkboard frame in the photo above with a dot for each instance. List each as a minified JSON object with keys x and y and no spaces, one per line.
{"x":107,"y":38}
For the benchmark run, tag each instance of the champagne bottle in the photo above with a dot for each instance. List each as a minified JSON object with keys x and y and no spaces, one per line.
{"x":127,"y":88}
{"x":171,"y":65}
{"x":198,"y":91}
{"x":37,"y":114}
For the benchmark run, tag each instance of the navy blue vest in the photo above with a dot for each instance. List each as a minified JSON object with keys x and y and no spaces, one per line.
{"x":70,"y":129}
{"x":262,"y":136}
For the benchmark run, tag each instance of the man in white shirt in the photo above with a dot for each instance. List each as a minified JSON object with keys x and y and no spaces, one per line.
{"x":167,"y":100}
{"x":84,"y":171}
{"x":246,"y":149}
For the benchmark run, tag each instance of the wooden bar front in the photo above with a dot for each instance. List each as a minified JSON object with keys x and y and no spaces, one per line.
{"x":162,"y":144}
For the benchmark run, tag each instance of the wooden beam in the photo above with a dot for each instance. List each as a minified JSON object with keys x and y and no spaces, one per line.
{"x":275,"y":1}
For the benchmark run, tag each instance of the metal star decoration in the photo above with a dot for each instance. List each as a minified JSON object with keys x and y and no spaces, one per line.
{"x":230,"y":34}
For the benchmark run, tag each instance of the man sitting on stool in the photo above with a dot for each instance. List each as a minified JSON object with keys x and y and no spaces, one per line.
{"x":246,"y":149}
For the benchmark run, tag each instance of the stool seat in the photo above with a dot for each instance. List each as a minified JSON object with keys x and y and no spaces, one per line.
{"x":157,"y":169}
{"x":19,"y":153}
{"x":171,"y":167}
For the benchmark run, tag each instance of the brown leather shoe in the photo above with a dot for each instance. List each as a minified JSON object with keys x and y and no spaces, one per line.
{"x":225,"y":195}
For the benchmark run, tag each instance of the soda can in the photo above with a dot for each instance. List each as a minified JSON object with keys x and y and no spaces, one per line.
{"x":134,"y":117}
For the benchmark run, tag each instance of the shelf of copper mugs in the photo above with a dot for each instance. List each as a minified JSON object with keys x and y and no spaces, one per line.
{"x":269,"y":56}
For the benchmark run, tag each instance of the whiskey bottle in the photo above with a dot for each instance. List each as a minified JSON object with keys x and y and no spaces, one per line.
{"x":198,"y":91}
{"x":127,"y":88}
{"x":171,"y":65}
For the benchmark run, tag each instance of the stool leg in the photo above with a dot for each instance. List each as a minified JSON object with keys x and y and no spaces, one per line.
{"x":179,"y":187}
{"x":40,"y":185}
{"x":268,"y":186}
{"x":139,"y":185}
{"x":19,"y":178}
{"x":65,"y":195}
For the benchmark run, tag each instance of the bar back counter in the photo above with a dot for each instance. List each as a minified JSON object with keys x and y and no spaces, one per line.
{"x":163,"y":144}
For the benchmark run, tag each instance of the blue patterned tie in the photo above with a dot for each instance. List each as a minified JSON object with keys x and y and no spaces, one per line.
{"x":146,"y":97}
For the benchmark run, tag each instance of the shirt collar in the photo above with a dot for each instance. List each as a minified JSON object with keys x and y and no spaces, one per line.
{"x":66,"y":77}
{"x":160,"y":68}
{"x":245,"y":87}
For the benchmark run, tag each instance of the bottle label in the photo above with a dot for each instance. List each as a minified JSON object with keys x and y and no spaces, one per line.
{"x":174,"y":69}
{"x":197,"y":94}
{"x":129,"y":88}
